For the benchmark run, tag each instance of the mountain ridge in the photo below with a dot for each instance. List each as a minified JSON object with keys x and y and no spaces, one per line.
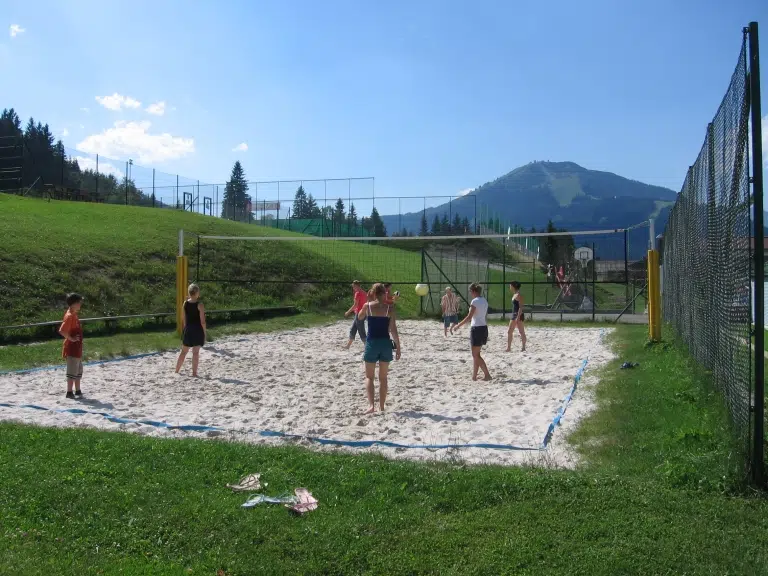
{"x":571,"y":196}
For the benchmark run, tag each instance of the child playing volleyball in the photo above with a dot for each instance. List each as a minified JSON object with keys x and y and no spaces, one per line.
{"x":193,"y":329}
{"x":72,"y":350}
{"x":478,"y":333}
{"x":358,"y":326}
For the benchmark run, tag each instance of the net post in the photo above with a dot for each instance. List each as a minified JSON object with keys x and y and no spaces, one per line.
{"x":504,"y":279}
{"x":594,"y":274}
{"x":654,"y":313}
{"x":626,"y":265}
{"x":758,"y":457}
{"x":181,"y":283}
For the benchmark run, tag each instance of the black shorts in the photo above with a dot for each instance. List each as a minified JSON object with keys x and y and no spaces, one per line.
{"x":478,"y":336}
{"x":515,"y":316}
{"x":193,"y":336}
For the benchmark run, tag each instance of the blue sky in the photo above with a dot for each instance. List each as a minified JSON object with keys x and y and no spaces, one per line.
{"x":430,"y":97}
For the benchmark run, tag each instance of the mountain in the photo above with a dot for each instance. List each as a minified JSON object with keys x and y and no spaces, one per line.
{"x":572,"y":196}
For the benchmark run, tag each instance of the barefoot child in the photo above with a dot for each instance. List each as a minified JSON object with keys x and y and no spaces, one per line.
{"x":478,"y":333}
{"x":450,"y":305}
{"x":193,"y":329}
{"x":72,"y":350}
{"x":358,"y":326}
{"x":517,"y":316}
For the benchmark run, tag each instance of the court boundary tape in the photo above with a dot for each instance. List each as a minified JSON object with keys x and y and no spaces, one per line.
{"x":276,"y":434}
{"x":567,"y":400}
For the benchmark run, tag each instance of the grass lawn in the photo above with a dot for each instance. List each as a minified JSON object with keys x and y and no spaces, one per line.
{"x":659,"y":493}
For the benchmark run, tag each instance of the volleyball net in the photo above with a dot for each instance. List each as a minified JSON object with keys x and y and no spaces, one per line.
{"x":594,"y":272}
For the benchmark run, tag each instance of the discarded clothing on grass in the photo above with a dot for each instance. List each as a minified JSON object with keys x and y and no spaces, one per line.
{"x":249,"y":483}
{"x":259,"y":498}
{"x":306,"y":502}
{"x":629,"y":365}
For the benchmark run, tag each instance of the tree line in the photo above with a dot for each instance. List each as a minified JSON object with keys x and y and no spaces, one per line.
{"x":32,"y":159}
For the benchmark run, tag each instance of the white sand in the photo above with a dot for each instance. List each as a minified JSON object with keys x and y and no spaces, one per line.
{"x":302,"y":382}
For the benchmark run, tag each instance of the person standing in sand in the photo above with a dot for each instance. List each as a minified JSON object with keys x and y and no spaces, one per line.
{"x":358,"y":326}
{"x":72,"y":349}
{"x":517,"y":316}
{"x":382,"y":338}
{"x":193,"y":329}
{"x":450,"y":305}
{"x":478,"y":333}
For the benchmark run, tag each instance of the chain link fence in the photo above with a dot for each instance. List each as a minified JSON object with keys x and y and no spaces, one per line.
{"x":708,"y":249}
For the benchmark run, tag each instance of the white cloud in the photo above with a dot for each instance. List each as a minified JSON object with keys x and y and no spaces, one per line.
{"x":156,"y":109}
{"x":64,"y":133}
{"x":242,"y":147}
{"x":465,"y":191}
{"x":85,"y":109}
{"x":16,"y":30}
{"x":133,"y":140}
{"x":86,"y":163}
{"x":117,"y":102}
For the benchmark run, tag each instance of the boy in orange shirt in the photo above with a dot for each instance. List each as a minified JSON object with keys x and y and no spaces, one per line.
{"x":73,"y":345}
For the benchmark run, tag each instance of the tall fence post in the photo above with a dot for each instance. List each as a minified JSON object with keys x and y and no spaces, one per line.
{"x":181,"y":282}
{"x":626,"y":265}
{"x":758,"y":458}
{"x":97,"y":174}
{"x":504,"y":279}
{"x":153,"y":187}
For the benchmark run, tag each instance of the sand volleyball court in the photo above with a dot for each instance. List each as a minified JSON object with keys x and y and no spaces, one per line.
{"x":302,"y":382}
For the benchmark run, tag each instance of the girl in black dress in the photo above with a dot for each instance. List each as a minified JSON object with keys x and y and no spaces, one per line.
{"x":193,"y":328}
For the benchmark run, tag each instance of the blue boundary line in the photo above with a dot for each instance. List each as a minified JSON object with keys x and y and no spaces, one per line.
{"x":275,"y":434}
{"x":567,"y":400}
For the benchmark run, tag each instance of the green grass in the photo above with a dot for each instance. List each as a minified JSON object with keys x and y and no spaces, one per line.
{"x":659,"y":494}
{"x":122,"y":258}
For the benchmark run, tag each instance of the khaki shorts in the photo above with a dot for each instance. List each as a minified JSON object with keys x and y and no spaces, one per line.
{"x":74,"y":368}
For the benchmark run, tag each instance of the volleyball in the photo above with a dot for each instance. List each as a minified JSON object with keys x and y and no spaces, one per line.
{"x":422,"y":289}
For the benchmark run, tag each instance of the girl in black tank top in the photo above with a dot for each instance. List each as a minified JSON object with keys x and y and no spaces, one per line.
{"x":517,"y":316}
{"x":193,"y":329}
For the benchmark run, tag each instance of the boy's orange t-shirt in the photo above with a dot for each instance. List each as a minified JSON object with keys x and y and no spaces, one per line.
{"x":361,"y":299}
{"x":71,"y":325}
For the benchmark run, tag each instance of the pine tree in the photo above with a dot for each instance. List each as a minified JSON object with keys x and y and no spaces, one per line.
{"x":352,"y":219}
{"x":338,"y":212}
{"x":423,"y":230}
{"x":377,"y":224}
{"x":445,"y":225}
{"x":313,"y":210}
{"x":300,"y":204}
{"x":236,"y":199}
{"x":436,"y":226}
{"x":456,"y":227}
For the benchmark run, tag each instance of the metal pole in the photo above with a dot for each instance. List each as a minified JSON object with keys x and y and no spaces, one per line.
{"x":126,"y":183}
{"x":504,"y":279}
{"x":626,"y":264}
{"x":97,"y":174}
{"x":758,"y":463}
{"x":594,"y":274}
{"x":177,"y":191}
{"x":475,"y":222}
{"x":153,"y":187}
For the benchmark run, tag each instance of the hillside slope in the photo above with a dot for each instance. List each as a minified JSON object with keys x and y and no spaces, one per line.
{"x":122,"y":259}
{"x":573,"y":197}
